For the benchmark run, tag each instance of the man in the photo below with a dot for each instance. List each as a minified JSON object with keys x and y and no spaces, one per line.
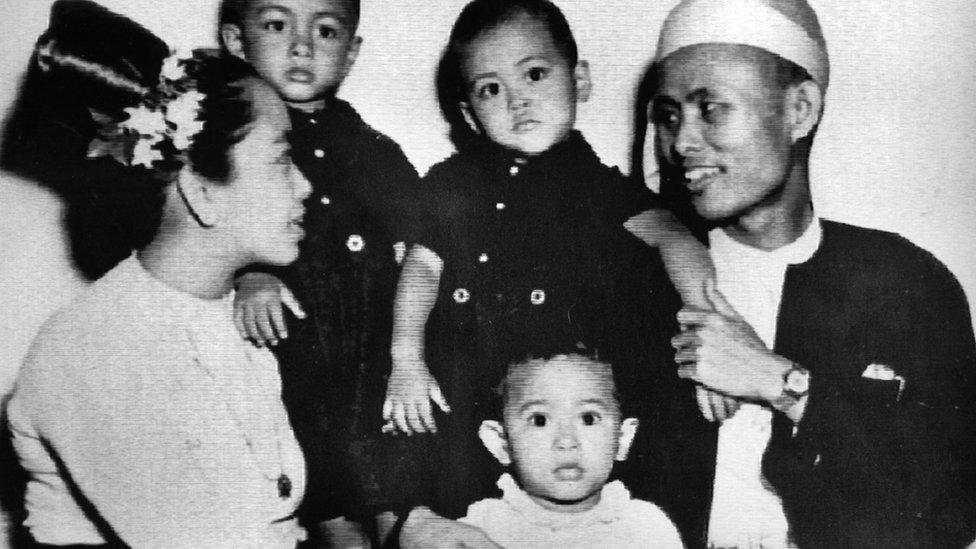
{"x":836,"y":366}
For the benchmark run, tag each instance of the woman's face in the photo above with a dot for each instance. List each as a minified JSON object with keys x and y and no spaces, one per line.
{"x":266,"y":192}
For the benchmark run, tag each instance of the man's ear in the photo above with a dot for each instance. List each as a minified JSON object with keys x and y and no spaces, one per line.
{"x":804,"y":106}
{"x":628,"y":428}
{"x":492,"y":435}
{"x":201,"y":200}
{"x":233,"y":39}
{"x":469,"y":117}
{"x":584,"y":85}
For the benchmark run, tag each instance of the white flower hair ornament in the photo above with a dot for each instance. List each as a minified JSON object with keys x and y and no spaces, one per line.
{"x":163,"y":123}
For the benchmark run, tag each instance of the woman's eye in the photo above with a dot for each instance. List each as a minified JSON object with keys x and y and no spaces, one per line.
{"x":489,"y":90}
{"x":665,"y":116}
{"x":712,"y":112}
{"x":537,"y":420}
{"x":590,"y":418}
{"x":537,"y":73}
{"x":274,"y":26}
{"x":327,"y":32}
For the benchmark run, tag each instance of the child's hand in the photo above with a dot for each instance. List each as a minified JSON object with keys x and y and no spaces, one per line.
{"x":410,"y":390}
{"x":424,"y":529}
{"x":258,"y":312}
{"x":715,"y":406}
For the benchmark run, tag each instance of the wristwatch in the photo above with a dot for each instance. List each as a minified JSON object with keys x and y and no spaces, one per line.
{"x":796,"y":382}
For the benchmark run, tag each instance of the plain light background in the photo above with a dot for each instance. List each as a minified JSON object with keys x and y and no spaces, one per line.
{"x":895,"y":151}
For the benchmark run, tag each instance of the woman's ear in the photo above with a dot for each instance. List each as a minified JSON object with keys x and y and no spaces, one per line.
{"x":200,"y":199}
{"x":584,"y":85}
{"x":469,"y":117}
{"x":628,"y":428}
{"x":492,"y":435}
{"x":804,"y":106}
{"x":233,"y":39}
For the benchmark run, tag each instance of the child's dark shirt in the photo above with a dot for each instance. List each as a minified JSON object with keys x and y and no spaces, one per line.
{"x":358,"y":220}
{"x":535,"y":258}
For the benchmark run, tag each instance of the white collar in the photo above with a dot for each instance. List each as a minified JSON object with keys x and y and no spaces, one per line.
{"x":725,"y":249}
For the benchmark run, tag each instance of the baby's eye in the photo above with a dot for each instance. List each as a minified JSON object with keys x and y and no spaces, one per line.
{"x":326,"y":31}
{"x":537,"y":420}
{"x":537,"y":73}
{"x":274,"y":25}
{"x":590,"y":418}
{"x":489,"y":90}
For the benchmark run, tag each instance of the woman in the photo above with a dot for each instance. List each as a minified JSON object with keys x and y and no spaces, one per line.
{"x":140,"y":416}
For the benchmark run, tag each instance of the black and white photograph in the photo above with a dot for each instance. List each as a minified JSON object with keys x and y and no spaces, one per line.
{"x":519,"y":274}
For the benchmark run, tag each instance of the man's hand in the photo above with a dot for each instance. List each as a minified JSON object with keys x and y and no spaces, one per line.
{"x":719,"y":350}
{"x":258,"y":312}
{"x":426,"y":530}
{"x":411,"y":389}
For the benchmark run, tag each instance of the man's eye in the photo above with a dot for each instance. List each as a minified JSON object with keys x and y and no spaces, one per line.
{"x":537,"y":420}
{"x":590,"y":418}
{"x":274,"y":26}
{"x":537,"y":73}
{"x":489,"y":90}
{"x":327,"y":32}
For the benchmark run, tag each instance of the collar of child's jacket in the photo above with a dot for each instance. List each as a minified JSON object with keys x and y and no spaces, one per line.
{"x":570,"y":153}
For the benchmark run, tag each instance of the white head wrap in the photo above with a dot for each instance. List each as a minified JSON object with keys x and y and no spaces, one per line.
{"x":788,"y":28}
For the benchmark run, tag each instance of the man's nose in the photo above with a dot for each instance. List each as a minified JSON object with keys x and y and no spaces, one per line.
{"x":688,"y":138}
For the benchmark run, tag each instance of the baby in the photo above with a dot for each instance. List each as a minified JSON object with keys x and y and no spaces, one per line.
{"x":560,"y":433}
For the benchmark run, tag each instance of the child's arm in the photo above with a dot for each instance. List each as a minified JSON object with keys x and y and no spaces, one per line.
{"x":258,"y":312}
{"x":688,"y":265}
{"x":411,"y":386}
{"x":686,"y":260}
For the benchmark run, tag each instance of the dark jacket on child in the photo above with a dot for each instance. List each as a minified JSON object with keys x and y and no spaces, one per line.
{"x":358,"y":221}
{"x":535,"y":258}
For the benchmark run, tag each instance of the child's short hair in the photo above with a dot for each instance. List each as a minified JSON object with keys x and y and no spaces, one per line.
{"x":500,"y":394}
{"x":477,"y":17}
{"x":232,"y":12}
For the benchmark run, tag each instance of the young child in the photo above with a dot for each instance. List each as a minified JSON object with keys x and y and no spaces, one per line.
{"x":527,"y":243}
{"x":334,"y":359}
{"x":560,"y":432}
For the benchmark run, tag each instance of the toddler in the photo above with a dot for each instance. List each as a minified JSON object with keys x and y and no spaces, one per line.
{"x":334,"y":361}
{"x":560,"y":432}
{"x":526,"y":243}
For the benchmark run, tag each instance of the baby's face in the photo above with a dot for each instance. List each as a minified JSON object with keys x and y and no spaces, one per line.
{"x":563,"y":427}
{"x":521,"y":91}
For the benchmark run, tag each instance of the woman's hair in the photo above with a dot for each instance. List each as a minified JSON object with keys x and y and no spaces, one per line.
{"x":476,"y":18}
{"x":87,"y":69}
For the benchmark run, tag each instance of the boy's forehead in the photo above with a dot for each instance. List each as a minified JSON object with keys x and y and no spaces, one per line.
{"x":344,"y":9}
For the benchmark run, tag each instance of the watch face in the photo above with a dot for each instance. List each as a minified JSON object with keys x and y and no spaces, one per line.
{"x":798,"y":381}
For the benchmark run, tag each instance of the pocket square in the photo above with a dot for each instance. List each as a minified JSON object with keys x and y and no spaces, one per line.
{"x":881,"y":372}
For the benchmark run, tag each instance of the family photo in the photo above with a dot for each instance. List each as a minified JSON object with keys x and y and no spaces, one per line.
{"x":488,"y":274}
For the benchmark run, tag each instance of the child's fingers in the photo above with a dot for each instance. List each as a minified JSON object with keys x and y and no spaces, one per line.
{"x":438,"y":397}
{"x":427,"y":417}
{"x":239,"y":321}
{"x":413,"y":419}
{"x":277,"y":315}
{"x":703,"y":403}
{"x":387,"y":409}
{"x":288,"y":299}
{"x":400,"y":418}
{"x":263,"y":320}
{"x":251,"y":327}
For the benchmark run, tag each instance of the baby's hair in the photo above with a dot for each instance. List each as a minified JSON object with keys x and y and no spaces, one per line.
{"x":476,"y":18}
{"x":578,"y":353}
{"x":232,"y":12}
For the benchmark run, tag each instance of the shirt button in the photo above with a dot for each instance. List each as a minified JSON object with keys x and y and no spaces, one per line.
{"x":499,"y":206}
{"x":319,"y":153}
{"x":312,"y":121}
{"x":461,"y":296}
{"x":537,"y":297}
{"x":325,"y":200}
{"x":513,"y":171}
{"x":483,"y":258}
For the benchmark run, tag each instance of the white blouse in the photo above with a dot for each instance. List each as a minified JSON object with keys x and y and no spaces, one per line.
{"x":143,"y":404}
